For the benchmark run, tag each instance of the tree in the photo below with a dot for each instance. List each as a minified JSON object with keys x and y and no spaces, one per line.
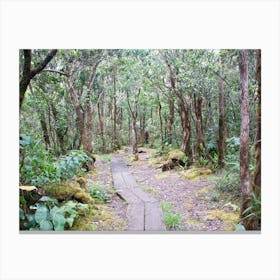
{"x":257,"y":171}
{"x":222,"y":123}
{"x":28,"y":73}
{"x":245,"y":184}
{"x":80,"y":86}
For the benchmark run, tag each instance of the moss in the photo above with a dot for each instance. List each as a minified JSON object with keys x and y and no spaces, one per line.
{"x":176,"y":155}
{"x":68,"y":190}
{"x":85,"y":222}
{"x":83,"y":197}
{"x":195,"y":172}
{"x":229,"y":218}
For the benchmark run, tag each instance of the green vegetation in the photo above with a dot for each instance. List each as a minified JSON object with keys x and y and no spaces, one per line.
{"x":47,"y":214}
{"x":171,"y":220}
{"x":189,"y":104}
{"x":99,"y":192}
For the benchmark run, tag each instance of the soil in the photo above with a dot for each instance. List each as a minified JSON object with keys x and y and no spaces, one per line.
{"x":196,"y":202}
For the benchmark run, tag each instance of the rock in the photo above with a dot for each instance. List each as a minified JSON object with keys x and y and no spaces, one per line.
{"x":175,"y":158}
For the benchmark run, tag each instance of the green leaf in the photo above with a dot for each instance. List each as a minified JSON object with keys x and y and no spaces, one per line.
{"x":46,"y":225}
{"x":70,"y":221}
{"x":21,"y":214}
{"x":48,"y":199}
{"x":58,"y":221}
{"x":42,"y":213}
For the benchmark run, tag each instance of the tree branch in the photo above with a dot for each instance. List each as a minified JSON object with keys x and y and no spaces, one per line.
{"x":43,"y":64}
{"x":56,"y":71}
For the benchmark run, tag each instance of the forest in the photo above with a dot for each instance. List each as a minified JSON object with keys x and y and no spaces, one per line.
{"x":140,"y":140}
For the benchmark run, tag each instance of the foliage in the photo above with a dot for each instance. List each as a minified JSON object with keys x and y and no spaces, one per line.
{"x":228,"y":183}
{"x":254,"y":210}
{"x":171,"y":220}
{"x":39,"y":167}
{"x":72,"y":164}
{"x":99,"y":192}
{"x":47,"y":215}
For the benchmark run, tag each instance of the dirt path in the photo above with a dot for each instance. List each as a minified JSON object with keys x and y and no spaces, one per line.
{"x":144,"y":211}
{"x":193,"y":201}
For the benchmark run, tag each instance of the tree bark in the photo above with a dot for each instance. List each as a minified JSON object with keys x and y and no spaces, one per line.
{"x":222,"y":124}
{"x":134,"y":115}
{"x":170,"y":120}
{"x":245,"y":184}
{"x":28,"y":74}
{"x":198,"y":124}
{"x":257,"y":171}
{"x":100,"y":108}
{"x":115,"y":140}
{"x":186,"y":125}
{"x":160,"y":122}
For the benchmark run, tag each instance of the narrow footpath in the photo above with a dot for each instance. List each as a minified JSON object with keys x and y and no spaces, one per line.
{"x":144,"y":212}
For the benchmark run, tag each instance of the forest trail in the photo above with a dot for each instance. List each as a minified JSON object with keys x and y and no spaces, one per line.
{"x":146,"y":188}
{"x":143,"y":211}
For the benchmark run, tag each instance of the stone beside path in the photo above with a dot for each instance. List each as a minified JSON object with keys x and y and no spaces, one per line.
{"x":144,"y":212}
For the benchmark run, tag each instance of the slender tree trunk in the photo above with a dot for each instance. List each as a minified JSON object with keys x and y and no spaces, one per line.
{"x":160,"y":122}
{"x":200,"y":144}
{"x":257,"y":171}
{"x":135,"y":136}
{"x":58,"y":130}
{"x":45,"y":132}
{"x":222,"y":124}
{"x":170,"y":120}
{"x":198,"y":124}
{"x":245,"y":184}
{"x":134,"y":115}
{"x":115,"y":141}
{"x":100,"y":108}
{"x":186,"y":125}
{"x":79,"y":113}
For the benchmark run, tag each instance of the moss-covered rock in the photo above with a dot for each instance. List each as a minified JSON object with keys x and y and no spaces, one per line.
{"x":176,"y":155}
{"x":175,"y":158}
{"x":67,"y":191}
{"x":194,"y":172}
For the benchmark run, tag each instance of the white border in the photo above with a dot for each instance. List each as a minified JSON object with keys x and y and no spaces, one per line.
{"x":156,"y":24}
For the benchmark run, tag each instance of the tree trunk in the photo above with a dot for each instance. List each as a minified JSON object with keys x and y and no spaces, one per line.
{"x":170,"y":120}
{"x":134,"y":114}
{"x":100,"y":108}
{"x":79,"y":113}
{"x":45,"y":132}
{"x":115,"y":141}
{"x":198,"y":124}
{"x":245,"y":184}
{"x":257,"y":171}
{"x":58,"y":130}
{"x":186,"y":125}
{"x":222,"y":124}
{"x":160,"y":122}
{"x":135,"y":137}
{"x":200,"y":144}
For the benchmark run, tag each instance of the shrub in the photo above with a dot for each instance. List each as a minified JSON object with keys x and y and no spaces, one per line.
{"x":39,"y":167}
{"x":99,"y":192}
{"x":47,"y":215}
{"x":228,"y":183}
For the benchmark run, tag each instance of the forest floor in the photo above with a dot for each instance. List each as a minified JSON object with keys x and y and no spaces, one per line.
{"x":193,"y":202}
